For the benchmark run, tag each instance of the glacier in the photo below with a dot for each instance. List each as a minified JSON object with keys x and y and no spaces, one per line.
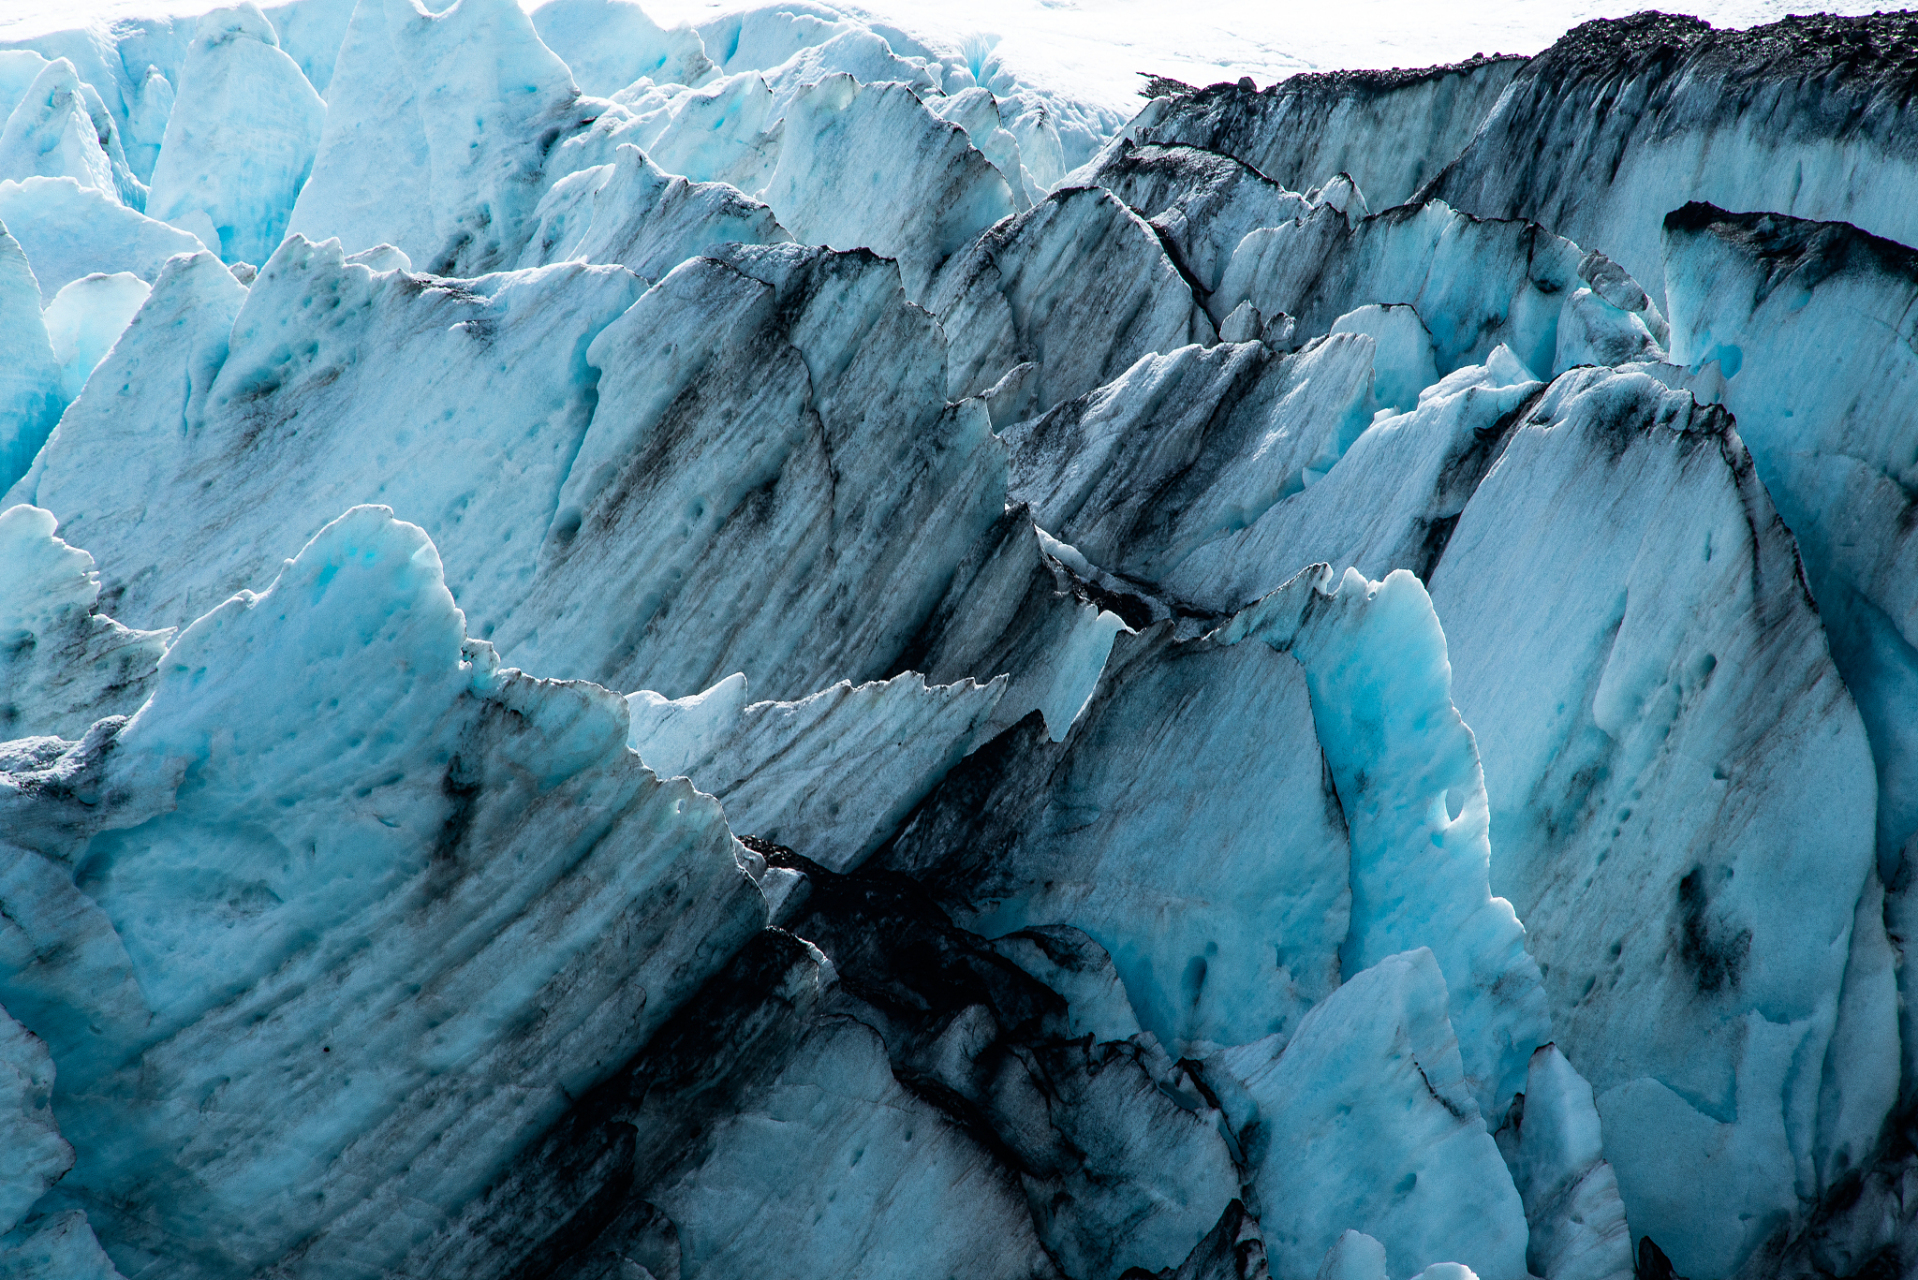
{"x":775,"y":646}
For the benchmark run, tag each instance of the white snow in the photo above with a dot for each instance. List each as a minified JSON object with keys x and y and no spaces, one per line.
{"x":1096,"y":48}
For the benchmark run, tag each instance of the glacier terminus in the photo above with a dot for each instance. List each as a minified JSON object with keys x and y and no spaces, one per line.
{"x":779,"y":649}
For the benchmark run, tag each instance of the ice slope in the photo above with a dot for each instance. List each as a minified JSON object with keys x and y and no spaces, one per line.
{"x":780,"y":456}
{"x":1202,"y":203}
{"x":328,"y":359}
{"x":1643,"y":686}
{"x":608,"y":44}
{"x":1028,"y":831}
{"x":1555,"y":1147}
{"x":86,"y":318}
{"x":1053,"y":302}
{"x":1689,"y":664}
{"x":833,"y":773}
{"x":1788,"y":117}
{"x":631,"y":212}
{"x":486,"y":889}
{"x":1186,"y":447}
{"x":456,"y":106}
{"x":1395,"y":1141}
{"x":1475,"y":283}
{"x":1791,"y":293}
{"x":953,"y":192}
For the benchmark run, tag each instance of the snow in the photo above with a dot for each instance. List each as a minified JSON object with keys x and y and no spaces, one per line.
{"x":1095,"y":48}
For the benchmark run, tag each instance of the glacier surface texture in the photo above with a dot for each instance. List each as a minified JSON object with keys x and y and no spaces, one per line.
{"x":770,"y":651}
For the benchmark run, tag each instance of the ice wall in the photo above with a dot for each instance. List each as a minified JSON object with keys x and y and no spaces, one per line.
{"x":884,"y":674}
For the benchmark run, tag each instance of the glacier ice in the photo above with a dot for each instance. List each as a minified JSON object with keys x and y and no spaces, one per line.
{"x":86,"y":318}
{"x":69,"y":231}
{"x":1365,"y":1116}
{"x":36,"y":1155}
{"x":455,"y":105}
{"x":60,"y":128}
{"x":240,"y":137}
{"x":31,"y":379}
{"x":1621,"y":700}
{"x":437,"y":767}
{"x":942,"y":192}
{"x":883,"y":673}
{"x":1570,"y":1192}
{"x":65,"y":665}
{"x":609,"y":44}
{"x":634,"y":213}
{"x":1311,"y":127}
{"x":1021,"y":295}
{"x":834,"y":772}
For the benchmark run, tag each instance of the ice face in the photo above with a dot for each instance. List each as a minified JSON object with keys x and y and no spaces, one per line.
{"x":1020,"y":296}
{"x":1640,"y":688}
{"x":1365,"y":1115}
{"x":32,"y":389}
{"x":59,"y":128}
{"x":1312,"y":127}
{"x":935,"y":682}
{"x":36,"y":1155}
{"x":833,"y":773}
{"x":608,"y":44}
{"x":240,"y":139}
{"x":1187,"y":446}
{"x":942,"y":191}
{"x":414,"y":99}
{"x":633,"y":213}
{"x":86,"y":318}
{"x":1570,"y":1193}
{"x":1230,"y":927}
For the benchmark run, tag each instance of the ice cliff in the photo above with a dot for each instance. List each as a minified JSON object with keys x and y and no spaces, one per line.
{"x":643,"y":652}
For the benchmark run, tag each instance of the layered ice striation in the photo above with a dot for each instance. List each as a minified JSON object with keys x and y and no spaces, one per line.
{"x":765,"y":649}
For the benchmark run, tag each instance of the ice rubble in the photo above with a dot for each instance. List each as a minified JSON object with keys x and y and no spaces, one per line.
{"x":1158,"y":607}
